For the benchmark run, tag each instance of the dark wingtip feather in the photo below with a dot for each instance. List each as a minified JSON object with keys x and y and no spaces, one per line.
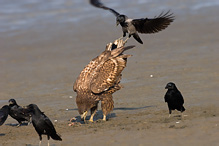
{"x":168,"y":15}
{"x":98,"y":4}
{"x":56,"y":136}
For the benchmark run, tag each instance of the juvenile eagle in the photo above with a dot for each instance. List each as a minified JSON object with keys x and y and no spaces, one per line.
{"x":100,"y":79}
{"x":143,"y":25}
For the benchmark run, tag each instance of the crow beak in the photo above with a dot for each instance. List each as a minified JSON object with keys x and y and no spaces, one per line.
{"x":117,"y":23}
{"x":166,"y":87}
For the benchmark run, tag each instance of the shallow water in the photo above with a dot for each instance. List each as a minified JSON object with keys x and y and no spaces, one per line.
{"x":35,"y":14}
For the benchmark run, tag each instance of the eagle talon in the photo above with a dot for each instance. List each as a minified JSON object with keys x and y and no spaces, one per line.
{"x":104,"y":117}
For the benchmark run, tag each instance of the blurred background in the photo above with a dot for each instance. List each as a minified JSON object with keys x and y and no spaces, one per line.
{"x":44,"y":45}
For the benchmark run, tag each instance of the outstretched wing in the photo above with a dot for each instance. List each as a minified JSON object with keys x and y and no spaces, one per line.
{"x":109,"y":74}
{"x":98,"y":4}
{"x":154,"y":25}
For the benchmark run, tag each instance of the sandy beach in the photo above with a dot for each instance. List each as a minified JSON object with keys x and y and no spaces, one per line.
{"x":40,"y":63}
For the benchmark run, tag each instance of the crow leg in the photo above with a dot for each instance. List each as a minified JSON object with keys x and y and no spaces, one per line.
{"x":170,"y":113}
{"x":40,"y":139}
{"x":19,"y":124}
{"x":124,"y":34}
{"x":127,"y":39}
{"x":48,"y":137}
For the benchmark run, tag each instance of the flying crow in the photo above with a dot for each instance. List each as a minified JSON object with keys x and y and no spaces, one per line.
{"x":41,"y":123}
{"x":143,"y":25}
{"x":16,"y":112}
{"x":4,"y":114}
{"x":174,"y":98}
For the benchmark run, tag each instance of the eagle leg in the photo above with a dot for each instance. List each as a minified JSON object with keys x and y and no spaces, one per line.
{"x":93,"y":112}
{"x":84,"y":115}
{"x":104,"y":117}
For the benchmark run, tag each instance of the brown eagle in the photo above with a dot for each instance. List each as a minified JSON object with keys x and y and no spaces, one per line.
{"x":100,"y":79}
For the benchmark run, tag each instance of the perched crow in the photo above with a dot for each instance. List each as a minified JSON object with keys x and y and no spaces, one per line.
{"x":41,"y":123}
{"x":174,"y":98}
{"x":4,"y":114}
{"x":143,"y":25}
{"x":17,"y":113}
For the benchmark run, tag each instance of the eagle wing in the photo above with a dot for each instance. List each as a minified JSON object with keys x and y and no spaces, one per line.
{"x":154,"y":25}
{"x":109,"y":74}
{"x":98,"y":4}
{"x":82,"y":82}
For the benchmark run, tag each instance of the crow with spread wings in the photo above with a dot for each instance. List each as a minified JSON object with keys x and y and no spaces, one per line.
{"x":143,"y":25}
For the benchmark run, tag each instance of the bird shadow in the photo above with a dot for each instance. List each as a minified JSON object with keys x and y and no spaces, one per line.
{"x":97,"y":118}
{"x":123,"y":108}
{"x":99,"y":114}
{"x":2,"y":134}
{"x":38,"y":145}
{"x":15,"y":125}
{"x":133,"y":108}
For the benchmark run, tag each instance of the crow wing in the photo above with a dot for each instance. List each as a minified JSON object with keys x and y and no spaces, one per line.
{"x":98,"y":4}
{"x":154,"y":25}
{"x":3,"y":115}
{"x":179,"y":97}
{"x":17,"y":113}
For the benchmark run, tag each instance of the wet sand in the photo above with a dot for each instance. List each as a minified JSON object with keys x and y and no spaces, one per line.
{"x":40,"y":66}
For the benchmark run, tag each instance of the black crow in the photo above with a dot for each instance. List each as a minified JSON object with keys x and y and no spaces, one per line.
{"x":4,"y":114}
{"x":174,"y":98}
{"x":143,"y":25}
{"x":16,"y":112}
{"x":41,"y":123}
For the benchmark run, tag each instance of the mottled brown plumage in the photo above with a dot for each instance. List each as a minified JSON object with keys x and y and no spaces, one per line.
{"x":100,"y":79}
